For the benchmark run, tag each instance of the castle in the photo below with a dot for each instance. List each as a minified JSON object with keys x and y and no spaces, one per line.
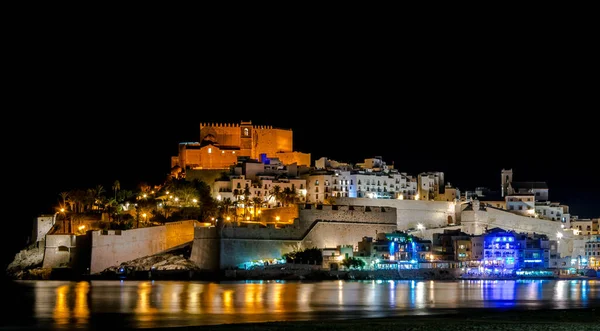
{"x":221,"y":144}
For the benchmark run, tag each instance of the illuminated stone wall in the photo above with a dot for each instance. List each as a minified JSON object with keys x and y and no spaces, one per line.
{"x":409,"y":213}
{"x":285,"y":214}
{"x":476,"y":222}
{"x":228,"y":134}
{"x":271,"y":141}
{"x":59,"y":250}
{"x":327,"y":226}
{"x":42,"y":225}
{"x":293,"y":157}
{"x":276,"y":143}
{"x":115,"y":247}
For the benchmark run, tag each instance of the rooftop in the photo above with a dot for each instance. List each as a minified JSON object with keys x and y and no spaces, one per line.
{"x":529,"y":185}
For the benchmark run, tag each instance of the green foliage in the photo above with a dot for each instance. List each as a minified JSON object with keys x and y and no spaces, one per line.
{"x":307,"y":256}
{"x":353,"y":263}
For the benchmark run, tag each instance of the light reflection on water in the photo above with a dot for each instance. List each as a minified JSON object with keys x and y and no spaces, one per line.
{"x":180,"y":303}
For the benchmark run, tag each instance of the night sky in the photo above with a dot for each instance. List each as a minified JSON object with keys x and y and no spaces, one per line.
{"x":468,"y":125}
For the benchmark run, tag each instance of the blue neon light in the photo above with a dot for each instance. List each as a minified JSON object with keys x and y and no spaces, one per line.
{"x":532,"y":261}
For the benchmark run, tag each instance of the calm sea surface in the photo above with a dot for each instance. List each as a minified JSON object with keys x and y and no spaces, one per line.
{"x":142,"y":304}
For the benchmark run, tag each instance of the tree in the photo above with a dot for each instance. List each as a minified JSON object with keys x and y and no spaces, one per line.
{"x":226,"y":203}
{"x":247,"y":200}
{"x":116,"y":187}
{"x":257,"y":206}
{"x":275,"y":193}
{"x":353,"y":263}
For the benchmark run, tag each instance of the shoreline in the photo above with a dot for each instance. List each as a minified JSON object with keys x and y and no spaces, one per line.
{"x":446,"y":320}
{"x":66,"y":274}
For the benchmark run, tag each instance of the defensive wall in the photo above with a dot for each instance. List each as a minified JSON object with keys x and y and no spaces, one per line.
{"x":477,"y":221}
{"x":111,"y":248}
{"x":409,"y":213}
{"x":320,"y":226}
{"x":60,"y":250}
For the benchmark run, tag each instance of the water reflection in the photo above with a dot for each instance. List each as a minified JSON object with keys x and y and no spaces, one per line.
{"x":162,"y":304}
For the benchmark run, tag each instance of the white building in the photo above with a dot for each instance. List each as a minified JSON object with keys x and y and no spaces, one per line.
{"x":592,"y":253}
{"x":430,"y":184}
{"x":383,"y":186}
{"x":375,"y":164}
{"x":553,"y":211}
{"x":263,"y":188}
{"x":538,"y":189}
{"x":319,"y":186}
{"x":325,"y":163}
{"x":584,"y":227}
{"x":522,"y":204}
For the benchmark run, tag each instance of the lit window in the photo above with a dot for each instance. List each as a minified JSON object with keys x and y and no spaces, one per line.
{"x":209,"y":150}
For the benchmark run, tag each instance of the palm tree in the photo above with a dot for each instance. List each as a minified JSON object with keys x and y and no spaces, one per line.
{"x":247,"y":200}
{"x":257,"y":206}
{"x":116,"y":187}
{"x":275,"y":193}
{"x":64,"y":196}
{"x":95,"y":195}
{"x":186,"y":195}
{"x":289,"y":196}
{"x":226,"y":203}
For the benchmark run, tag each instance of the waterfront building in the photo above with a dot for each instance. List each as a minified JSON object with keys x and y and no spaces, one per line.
{"x":592,"y":253}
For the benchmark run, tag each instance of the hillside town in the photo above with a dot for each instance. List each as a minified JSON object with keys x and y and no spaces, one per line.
{"x":241,"y":199}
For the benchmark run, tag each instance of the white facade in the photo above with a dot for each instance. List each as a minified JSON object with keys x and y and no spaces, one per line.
{"x":522,"y":204}
{"x":383,"y":186}
{"x":584,"y":227}
{"x":262,"y":188}
{"x":429,"y":184}
{"x":554,"y":211}
{"x":592,"y":253}
{"x":319,"y":187}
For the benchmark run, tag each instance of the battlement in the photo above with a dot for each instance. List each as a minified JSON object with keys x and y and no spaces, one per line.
{"x":238,"y":125}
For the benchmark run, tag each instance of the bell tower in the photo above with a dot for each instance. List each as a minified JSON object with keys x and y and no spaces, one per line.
{"x":507,"y":177}
{"x":246,"y":138}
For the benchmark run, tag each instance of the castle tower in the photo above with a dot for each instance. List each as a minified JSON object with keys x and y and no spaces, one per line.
{"x":246,"y":132}
{"x":507,"y":177}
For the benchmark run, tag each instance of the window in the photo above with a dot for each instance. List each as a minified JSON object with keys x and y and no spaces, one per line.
{"x":520,"y":207}
{"x":316,"y":182}
{"x":209,"y":150}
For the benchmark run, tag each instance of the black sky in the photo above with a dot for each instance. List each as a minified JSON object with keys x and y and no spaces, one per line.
{"x":98,"y":115}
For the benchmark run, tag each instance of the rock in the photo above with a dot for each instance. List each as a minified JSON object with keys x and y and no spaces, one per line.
{"x":30,"y":258}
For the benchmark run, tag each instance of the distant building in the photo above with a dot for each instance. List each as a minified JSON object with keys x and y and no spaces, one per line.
{"x":221,"y":143}
{"x":523,"y":204}
{"x":584,"y":227}
{"x":553,"y":211}
{"x":509,"y":187}
{"x":592,"y":253}
{"x":430,"y":185}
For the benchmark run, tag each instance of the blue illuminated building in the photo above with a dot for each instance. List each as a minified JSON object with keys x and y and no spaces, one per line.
{"x":500,"y":252}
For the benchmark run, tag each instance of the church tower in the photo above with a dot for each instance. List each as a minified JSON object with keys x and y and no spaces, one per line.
{"x":507,"y":177}
{"x":246,"y":138}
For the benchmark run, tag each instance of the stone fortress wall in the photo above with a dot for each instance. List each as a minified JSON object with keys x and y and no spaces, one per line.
{"x":325,"y":226}
{"x":477,"y":221}
{"x":111,"y":248}
{"x":409,"y":213}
